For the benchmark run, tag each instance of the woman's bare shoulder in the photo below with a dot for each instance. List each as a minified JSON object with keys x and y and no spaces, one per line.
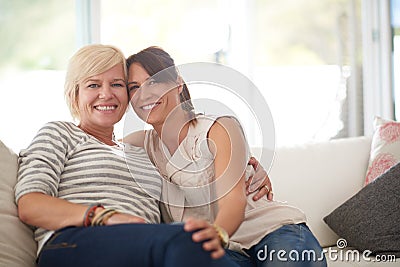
{"x":225,"y":124}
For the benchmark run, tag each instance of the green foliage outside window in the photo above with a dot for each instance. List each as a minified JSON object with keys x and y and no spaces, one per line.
{"x":36,"y":34}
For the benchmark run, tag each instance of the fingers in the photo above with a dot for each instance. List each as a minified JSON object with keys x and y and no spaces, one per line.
{"x":119,"y":218}
{"x":247,"y":184}
{"x":270,"y":193}
{"x":211,"y":241}
{"x":194,"y":224}
{"x":270,"y":196}
{"x":264,"y":190}
{"x":202,"y":230}
{"x":214,"y":246}
{"x":259,"y":179}
{"x":206,"y":233}
{"x":136,"y":219}
{"x":253,"y":162}
{"x":268,"y":187}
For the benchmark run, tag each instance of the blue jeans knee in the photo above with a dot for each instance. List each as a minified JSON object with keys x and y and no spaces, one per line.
{"x":293,"y":243}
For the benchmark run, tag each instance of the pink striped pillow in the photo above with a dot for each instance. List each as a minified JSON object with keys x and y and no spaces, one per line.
{"x":385,"y":148}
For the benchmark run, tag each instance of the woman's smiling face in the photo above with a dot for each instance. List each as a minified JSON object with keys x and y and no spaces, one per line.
{"x":103,"y":99}
{"x":151,"y":100}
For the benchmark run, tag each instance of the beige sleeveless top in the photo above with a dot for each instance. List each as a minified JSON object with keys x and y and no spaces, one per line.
{"x":186,"y":192}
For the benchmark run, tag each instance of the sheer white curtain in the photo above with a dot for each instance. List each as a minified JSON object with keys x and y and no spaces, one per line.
{"x":377,"y":57}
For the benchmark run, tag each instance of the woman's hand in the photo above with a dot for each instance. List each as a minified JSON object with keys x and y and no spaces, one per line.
{"x":120,"y":218}
{"x":205,"y":232}
{"x":259,"y":181}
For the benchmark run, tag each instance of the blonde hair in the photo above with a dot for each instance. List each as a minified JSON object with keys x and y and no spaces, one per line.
{"x":89,"y":61}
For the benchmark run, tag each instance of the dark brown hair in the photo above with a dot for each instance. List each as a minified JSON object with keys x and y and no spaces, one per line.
{"x":158,"y":62}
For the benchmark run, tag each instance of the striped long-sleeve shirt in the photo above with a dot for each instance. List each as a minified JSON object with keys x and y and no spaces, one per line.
{"x":63,"y":161}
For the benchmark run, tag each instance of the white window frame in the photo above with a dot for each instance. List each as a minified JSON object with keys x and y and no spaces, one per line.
{"x":377,"y":62}
{"x":88,"y":22}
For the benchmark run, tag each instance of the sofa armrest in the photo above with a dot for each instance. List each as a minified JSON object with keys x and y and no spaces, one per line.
{"x":17,"y":245}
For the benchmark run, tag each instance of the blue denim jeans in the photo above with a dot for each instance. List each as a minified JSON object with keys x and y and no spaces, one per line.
{"x":126,"y":245}
{"x":290,"y":245}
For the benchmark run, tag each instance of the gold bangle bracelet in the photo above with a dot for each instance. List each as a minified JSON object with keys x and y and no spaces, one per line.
{"x":99,"y":219}
{"x":107,"y":216}
{"x":223,"y":235}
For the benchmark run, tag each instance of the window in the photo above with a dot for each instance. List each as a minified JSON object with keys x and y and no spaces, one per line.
{"x":307,"y":63}
{"x":304,"y":56}
{"x":37,"y":39}
{"x":309,"y":59}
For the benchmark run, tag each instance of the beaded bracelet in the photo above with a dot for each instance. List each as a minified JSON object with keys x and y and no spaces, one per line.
{"x":89,"y":214}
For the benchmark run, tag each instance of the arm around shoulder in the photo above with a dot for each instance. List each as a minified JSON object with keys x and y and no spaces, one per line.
{"x":135,"y":138}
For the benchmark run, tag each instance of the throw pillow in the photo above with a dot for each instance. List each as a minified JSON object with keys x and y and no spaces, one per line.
{"x":17,"y":246}
{"x":385,"y":148}
{"x":370,"y":219}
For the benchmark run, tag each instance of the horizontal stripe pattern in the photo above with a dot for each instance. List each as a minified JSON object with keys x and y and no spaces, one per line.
{"x":65,"y":162}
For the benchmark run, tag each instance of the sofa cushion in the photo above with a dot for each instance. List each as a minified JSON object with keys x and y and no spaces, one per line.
{"x":370,"y":219}
{"x":17,"y":246}
{"x":385,"y":148}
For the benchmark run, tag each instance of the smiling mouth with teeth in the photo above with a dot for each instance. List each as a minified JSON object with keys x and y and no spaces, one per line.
{"x":105,"y":108}
{"x":150,"y":106}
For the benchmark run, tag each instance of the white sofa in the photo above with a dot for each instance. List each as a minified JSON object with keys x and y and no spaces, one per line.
{"x":318,"y":177}
{"x":315,"y":177}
